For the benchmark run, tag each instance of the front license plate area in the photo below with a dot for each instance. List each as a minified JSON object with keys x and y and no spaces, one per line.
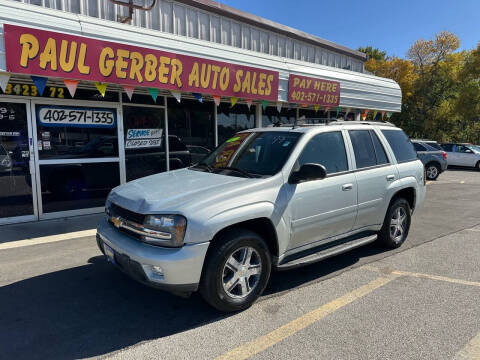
{"x":109,"y":253}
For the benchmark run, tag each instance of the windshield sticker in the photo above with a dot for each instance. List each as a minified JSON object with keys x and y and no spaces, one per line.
{"x":286,"y":143}
{"x":233,"y":139}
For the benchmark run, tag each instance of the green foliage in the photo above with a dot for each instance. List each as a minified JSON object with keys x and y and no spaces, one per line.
{"x":373,"y":53}
{"x":440,"y":89}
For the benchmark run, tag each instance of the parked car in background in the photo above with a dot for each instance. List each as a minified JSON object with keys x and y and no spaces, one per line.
{"x":434,"y":160}
{"x":466,"y":155}
{"x":198,"y":152}
{"x":432,"y":143}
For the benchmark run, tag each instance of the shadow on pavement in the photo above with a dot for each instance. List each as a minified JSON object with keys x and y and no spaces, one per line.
{"x":95,"y":309}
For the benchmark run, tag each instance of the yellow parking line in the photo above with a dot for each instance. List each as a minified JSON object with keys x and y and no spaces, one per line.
{"x":264,"y":342}
{"x":423,"y":276}
{"x":47,"y":239}
{"x":471,"y":351}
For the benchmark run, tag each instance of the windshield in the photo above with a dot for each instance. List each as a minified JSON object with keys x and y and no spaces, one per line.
{"x":254,"y":154}
{"x":475,"y":148}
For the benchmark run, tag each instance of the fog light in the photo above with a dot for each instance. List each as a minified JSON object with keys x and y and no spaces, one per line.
{"x":157,"y":270}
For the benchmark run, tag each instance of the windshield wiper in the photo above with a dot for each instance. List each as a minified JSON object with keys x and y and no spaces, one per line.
{"x":243,"y":172}
{"x":205,"y":166}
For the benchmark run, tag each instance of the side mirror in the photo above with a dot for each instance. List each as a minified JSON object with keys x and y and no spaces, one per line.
{"x":308,"y":172}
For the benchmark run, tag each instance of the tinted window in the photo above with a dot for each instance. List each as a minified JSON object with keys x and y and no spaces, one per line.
{"x":175,"y":144}
{"x":379,"y":150}
{"x":462,"y":149}
{"x":363,"y":148}
{"x":327,"y":149}
{"x":419,"y":147}
{"x":401,"y":145}
{"x":447,"y":147}
{"x":435,"y":146}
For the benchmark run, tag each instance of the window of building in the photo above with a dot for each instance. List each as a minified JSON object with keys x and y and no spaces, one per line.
{"x":401,"y":145}
{"x":271,"y":116}
{"x":231,"y":120}
{"x":327,"y":149}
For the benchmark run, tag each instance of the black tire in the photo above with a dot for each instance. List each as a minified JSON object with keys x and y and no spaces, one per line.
{"x":385,"y":236}
{"x":477,"y":166}
{"x":211,"y":284}
{"x":433,"y":171}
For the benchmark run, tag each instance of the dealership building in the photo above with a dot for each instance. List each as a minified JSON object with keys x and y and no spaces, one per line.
{"x":95,"y":93}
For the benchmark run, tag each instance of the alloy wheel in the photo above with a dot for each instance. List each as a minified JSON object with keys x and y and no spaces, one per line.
{"x":432,"y":172}
{"x":241,"y":273}
{"x":398,"y":224}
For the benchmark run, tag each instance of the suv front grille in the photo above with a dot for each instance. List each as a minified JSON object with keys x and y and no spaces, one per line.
{"x":126,"y":214}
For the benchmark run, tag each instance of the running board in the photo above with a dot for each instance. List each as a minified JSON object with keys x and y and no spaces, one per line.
{"x":326,"y":253}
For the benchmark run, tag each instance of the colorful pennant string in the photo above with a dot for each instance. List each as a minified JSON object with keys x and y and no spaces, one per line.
{"x":4,"y":77}
{"x":233,"y":101}
{"x":316,"y":107}
{"x":71,"y":86}
{"x":375,"y":115}
{"x":249,"y":103}
{"x":101,"y":87}
{"x":40,"y":83}
{"x":389,"y":114}
{"x":198,"y":97}
{"x":338,"y":111}
{"x":264,"y":104}
{"x":216,"y":99}
{"x":154,"y":94}
{"x":177,"y":95}
{"x":279,"y":106}
{"x":129,"y":91}
{"x":383,"y":114}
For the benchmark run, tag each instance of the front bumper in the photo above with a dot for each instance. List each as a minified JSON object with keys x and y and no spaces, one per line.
{"x":181,"y":268}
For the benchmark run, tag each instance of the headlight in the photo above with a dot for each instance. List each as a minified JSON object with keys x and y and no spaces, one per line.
{"x":165,"y":230}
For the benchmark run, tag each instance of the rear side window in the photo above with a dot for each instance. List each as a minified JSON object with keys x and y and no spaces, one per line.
{"x":401,"y":145}
{"x":379,"y":149}
{"x":327,"y":149}
{"x":448,"y":147}
{"x":419,"y":147}
{"x":363,"y":148}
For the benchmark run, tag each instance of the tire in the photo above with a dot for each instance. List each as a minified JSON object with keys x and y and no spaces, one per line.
{"x":218,"y":275}
{"x":389,"y":237}
{"x":477,"y":166}
{"x":433,"y":171}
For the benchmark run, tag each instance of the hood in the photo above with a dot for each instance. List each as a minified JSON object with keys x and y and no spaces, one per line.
{"x":173,"y":191}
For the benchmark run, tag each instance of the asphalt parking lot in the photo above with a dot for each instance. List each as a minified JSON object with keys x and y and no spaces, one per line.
{"x":61,"y":300}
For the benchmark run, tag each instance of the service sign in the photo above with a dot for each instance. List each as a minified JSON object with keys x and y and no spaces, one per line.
{"x":313,"y":91}
{"x":143,"y":138}
{"x":71,"y":116}
{"x":52,"y":54}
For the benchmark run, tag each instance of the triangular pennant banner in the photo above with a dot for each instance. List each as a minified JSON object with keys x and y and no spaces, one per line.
{"x":383,"y":114}
{"x":176,"y":94}
{"x":327,"y":108}
{"x":154,"y":93}
{"x":316,"y":107}
{"x":216,"y":99}
{"x":279,"y":106}
{"x":233,"y":101}
{"x":264,"y":104}
{"x":375,"y":114}
{"x":129,"y":91}
{"x":338,"y":111}
{"x":40,"y":83}
{"x":4,"y":77}
{"x":347,"y":112}
{"x":198,"y":97}
{"x":101,"y":87}
{"x":71,"y":86}
{"x":389,"y":114}
{"x":249,"y":103}
{"x":303,"y":105}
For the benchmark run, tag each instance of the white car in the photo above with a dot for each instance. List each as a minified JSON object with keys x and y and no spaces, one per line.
{"x":462,"y":155}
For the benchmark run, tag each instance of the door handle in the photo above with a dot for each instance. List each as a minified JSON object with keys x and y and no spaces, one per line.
{"x":390,"y":177}
{"x":347,"y":187}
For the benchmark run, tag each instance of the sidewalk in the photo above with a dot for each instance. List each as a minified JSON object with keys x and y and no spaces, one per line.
{"x":85,"y":224}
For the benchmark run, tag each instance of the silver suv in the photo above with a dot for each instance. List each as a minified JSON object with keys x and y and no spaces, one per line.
{"x":269,"y":198}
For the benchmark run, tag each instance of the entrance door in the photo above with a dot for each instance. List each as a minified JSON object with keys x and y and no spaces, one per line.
{"x":17,"y":195}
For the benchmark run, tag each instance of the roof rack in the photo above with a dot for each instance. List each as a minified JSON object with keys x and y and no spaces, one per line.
{"x":324,"y":121}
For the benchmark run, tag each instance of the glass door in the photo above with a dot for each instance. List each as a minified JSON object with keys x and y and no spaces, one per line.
{"x":78,"y":156}
{"x":17,"y":195}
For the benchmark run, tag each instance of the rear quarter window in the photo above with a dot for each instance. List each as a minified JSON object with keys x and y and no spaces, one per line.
{"x":401,"y":146}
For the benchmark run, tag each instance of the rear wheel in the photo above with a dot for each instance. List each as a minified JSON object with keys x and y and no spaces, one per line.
{"x":432,"y":170}
{"x":477,"y":166}
{"x":396,"y":225}
{"x":236,"y":271}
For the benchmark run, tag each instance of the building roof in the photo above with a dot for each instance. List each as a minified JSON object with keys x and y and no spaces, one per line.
{"x":242,"y":16}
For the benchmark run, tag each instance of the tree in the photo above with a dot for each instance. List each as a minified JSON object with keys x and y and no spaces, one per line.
{"x":373,"y":53}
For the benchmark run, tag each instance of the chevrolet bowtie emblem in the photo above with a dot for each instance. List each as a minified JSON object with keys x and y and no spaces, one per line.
{"x":117,"y":221}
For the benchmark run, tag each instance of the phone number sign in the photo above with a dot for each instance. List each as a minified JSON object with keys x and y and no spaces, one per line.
{"x":70,"y":116}
{"x":312,"y":91}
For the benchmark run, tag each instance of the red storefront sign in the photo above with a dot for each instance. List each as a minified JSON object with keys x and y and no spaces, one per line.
{"x":312,"y":91}
{"x":52,"y":54}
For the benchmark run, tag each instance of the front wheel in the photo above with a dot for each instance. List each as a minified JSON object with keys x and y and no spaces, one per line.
{"x":477,"y":166}
{"x":236,"y":271}
{"x":396,"y":225}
